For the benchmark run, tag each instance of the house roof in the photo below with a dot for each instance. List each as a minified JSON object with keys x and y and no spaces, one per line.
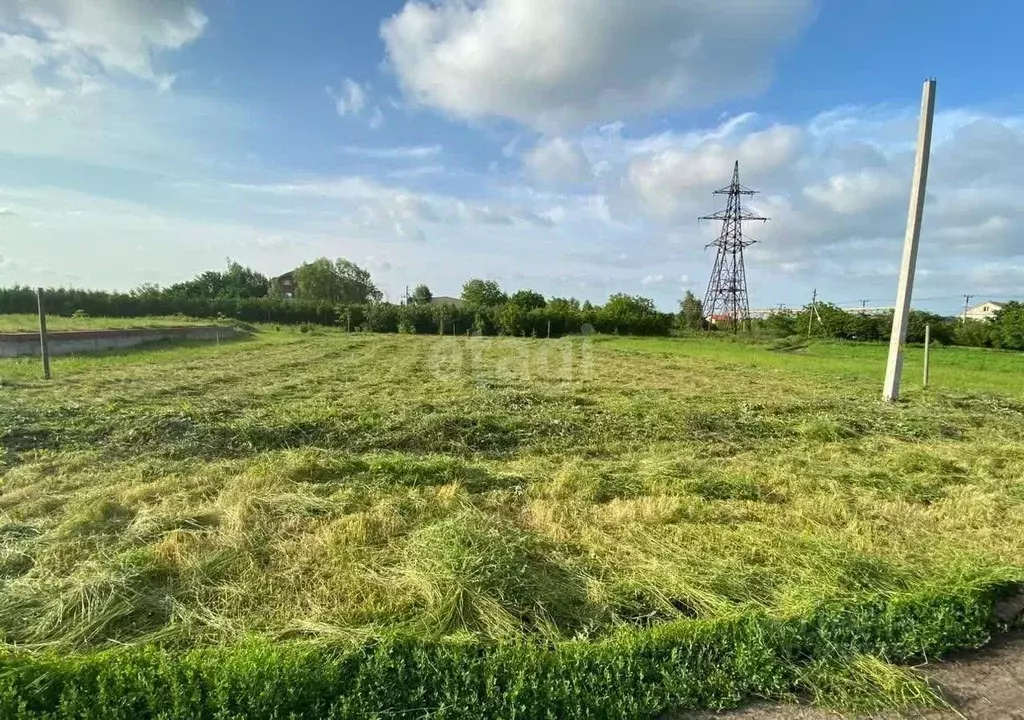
{"x":445,"y":300}
{"x":997,"y":303}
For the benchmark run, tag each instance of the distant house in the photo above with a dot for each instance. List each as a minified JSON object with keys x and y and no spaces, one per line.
{"x":984,"y":311}
{"x":755,"y":314}
{"x":445,"y":300}
{"x":871,"y":311}
{"x":287,"y":284}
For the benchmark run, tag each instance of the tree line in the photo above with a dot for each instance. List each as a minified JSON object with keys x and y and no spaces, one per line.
{"x":1005,"y":330}
{"x":339,"y":293}
{"x":827,"y":320}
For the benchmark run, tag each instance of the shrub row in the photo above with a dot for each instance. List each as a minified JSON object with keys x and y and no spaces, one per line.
{"x":372,"y":317}
{"x":643,"y":673}
{"x":623,"y":315}
{"x":1006,"y":330}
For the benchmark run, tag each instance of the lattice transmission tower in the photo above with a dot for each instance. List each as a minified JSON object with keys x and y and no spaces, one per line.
{"x":726,"y":297}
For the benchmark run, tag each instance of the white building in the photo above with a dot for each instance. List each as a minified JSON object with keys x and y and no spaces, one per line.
{"x":985,"y":311}
{"x":764,"y":313}
{"x":872,"y":311}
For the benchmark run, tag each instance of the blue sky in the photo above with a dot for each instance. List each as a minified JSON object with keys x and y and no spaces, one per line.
{"x":562,"y":145}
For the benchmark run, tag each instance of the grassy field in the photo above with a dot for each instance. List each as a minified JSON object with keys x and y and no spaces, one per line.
{"x":338,"y":490}
{"x":30,"y":323}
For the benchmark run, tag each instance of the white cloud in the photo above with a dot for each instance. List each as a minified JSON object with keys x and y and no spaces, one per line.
{"x":556,"y":63}
{"x":980,"y":233}
{"x":376,"y":119}
{"x":128,"y":128}
{"x":418,"y":171}
{"x":86,"y":82}
{"x":857,"y":192}
{"x":58,"y":233}
{"x":378,"y":264}
{"x":663,"y":179}
{"x":369,"y":206}
{"x":558,"y":160}
{"x":349,"y":188}
{"x":353,"y":99}
{"x":653,"y":280}
{"x":53,"y":50}
{"x":413,"y":152}
{"x":349,"y":99}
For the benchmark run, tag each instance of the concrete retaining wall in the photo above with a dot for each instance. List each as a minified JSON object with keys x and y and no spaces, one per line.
{"x":88,"y":341}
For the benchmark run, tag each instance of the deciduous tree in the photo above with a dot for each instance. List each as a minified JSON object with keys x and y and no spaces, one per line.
{"x":691,"y":313}
{"x":421,"y":295}
{"x":483,"y":293}
{"x":339,"y":281}
{"x":528,"y":300}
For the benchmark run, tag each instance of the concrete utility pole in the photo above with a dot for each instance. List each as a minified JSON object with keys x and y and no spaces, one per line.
{"x":894,"y":368}
{"x":44,"y":340}
{"x":967,"y":306}
{"x":927,"y":351}
{"x":813,"y":312}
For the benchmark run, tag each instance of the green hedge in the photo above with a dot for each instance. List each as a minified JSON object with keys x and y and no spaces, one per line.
{"x":372,"y":317}
{"x":640,"y":673}
{"x":1005,"y":330}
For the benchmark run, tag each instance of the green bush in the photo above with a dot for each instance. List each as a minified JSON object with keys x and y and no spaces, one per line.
{"x":975,"y":333}
{"x":1008,"y":327}
{"x":672,"y":667}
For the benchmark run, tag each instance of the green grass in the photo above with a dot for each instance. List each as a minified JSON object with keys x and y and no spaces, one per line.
{"x":333,"y":493}
{"x":30,"y":323}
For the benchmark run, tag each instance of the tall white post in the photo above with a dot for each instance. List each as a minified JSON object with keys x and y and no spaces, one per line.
{"x":927,"y":351}
{"x":894,"y":368}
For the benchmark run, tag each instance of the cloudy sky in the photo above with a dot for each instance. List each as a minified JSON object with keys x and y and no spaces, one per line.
{"x":563,"y":145}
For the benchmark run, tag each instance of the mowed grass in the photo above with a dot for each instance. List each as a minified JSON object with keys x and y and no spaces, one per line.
{"x":343,"y":487}
{"x":30,"y":323}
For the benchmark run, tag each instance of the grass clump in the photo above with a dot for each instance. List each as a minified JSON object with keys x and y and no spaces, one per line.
{"x":482,"y":575}
{"x":864,"y":684}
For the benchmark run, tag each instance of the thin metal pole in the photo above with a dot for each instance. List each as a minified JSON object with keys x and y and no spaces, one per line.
{"x":901,"y":319}
{"x":44,"y":341}
{"x":927,"y":351}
